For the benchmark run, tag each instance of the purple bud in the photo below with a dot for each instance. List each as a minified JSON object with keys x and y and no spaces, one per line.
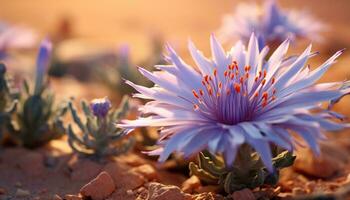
{"x":100,"y":107}
{"x":43,"y":61}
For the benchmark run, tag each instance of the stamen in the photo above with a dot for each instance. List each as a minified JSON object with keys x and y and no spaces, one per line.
{"x":201,"y":92}
{"x":263,"y":82}
{"x":195,"y":107}
{"x":237,"y":87}
{"x":215,"y":72}
{"x":273,"y":80}
{"x":265,"y":96}
{"x":195,"y":94}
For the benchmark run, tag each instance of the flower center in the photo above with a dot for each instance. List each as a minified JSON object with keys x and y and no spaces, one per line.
{"x":234,"y":98}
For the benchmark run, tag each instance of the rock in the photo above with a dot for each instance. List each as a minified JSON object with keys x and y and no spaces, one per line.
{"x":158,"y":191}
{"x":32,"y":163}
{"x":208,"y":196}
{"x":72,"y":197}
{"x":99,"y":188}
{"x":83,"y":169}
{"x":245,"y":194}
{"x":22,"y":193}
{"x":324,"y":166}
{"x":147,"y":171}
{"x":191,"y":184}
{"x":123,"y":177}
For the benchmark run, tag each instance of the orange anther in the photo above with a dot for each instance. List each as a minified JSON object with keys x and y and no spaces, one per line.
{"x":225,"y":73}
{"x":195,"y":94}
{"x":215,"y":72}
{"x":201,"y":92}
{"x":220,"y":85}
{"x":195,"y":106}
{"x":264,"y":73}
{"x":263,"y":82}
{"x":265,"y":95}
{"x":237,"y":87}
{"x":256,"y":79}
{"x":273,"y":80}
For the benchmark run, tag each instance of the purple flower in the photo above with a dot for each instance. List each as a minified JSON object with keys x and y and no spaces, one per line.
{"x":269,"y":23}
{"x":100,"y":107}
{"x":237,"y":97}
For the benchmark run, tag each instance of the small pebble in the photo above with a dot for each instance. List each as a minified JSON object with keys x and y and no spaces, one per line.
{"x":18,"y":184}
{"x":129,"y":192}
{"x":22,"y":193}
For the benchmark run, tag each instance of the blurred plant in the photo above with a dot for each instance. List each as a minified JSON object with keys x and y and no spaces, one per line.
{"x":239,"y":98}
{"x":36,"y":121}
{"x":247,"y":172}
{"x":100,"y":137}
{"x":271,"y":24}
{"x":7,"y":102}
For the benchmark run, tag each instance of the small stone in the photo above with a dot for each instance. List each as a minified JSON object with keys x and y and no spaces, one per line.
{"x":99,"y":188}
{"x":129,"y":192}
{"x":208,"y":196}
{"x":245,"y":194}
{"x":72,"y":197}
{"x":158,"y":191}
{"x":22,"y":193}
{"x":147,"y":171}
{"x":18,"y":184}
{"x":191,"y":184}
{"x":2,"y":191}
{"x":56,"y":197}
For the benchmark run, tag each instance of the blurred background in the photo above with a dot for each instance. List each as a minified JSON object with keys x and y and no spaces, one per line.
{"x":89,"y":32}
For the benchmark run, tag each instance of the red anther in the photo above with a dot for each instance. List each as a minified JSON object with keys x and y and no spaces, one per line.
{"x":225,"y":73}
{"x":241,"y":79}
{"x":237,"y":87}
{"x":256,"y":95}
{"x":201,"y":92}
{"x":264,"y":103}
{"x":206,"y":77}
{"x":220,"y":85}
{"x":210,"y":79}
{"x":273,"y":80}
{"x":263,"y":82}
{"x":246,"y":68}
{"x":195,"y":106}
{"x":265,"y":95}
{"x":215,"y":72}
{"x":210,"y":91}
{"x":274,"y":91}
{"x":203,"y":83}
{"x":230,"y":67}
{"x":259,"y":74}
{"x":232,"y":76}
{"x":256,"y":79}
{"x":195,"y":94}
{"x":264,"y":73}
{"x":234,"y":62}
